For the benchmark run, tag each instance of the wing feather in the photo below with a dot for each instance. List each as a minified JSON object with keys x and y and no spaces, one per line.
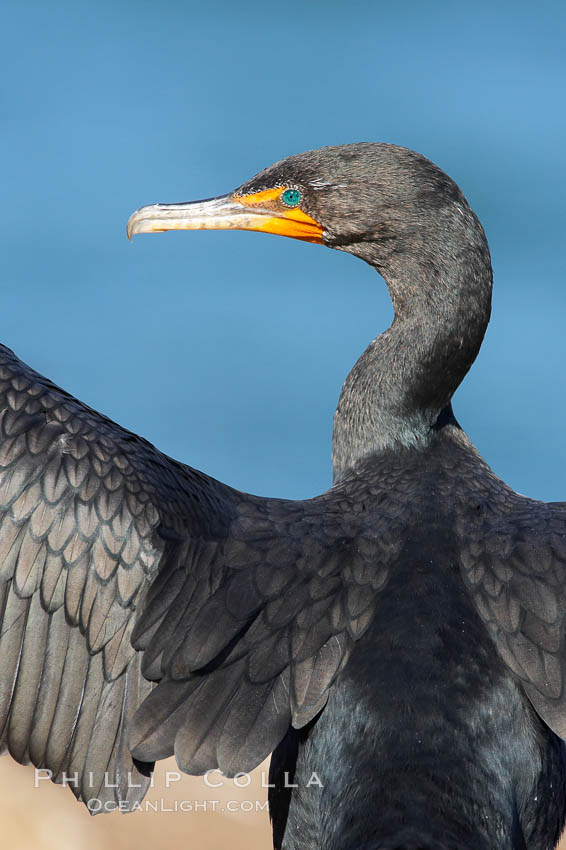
{"x":26,"y":690}
{"x":56,"y":645}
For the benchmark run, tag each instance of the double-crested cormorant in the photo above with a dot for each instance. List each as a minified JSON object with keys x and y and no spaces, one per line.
{"x":400,"y":636}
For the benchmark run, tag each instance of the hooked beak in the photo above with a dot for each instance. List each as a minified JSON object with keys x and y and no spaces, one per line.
{"x":257,"y":211}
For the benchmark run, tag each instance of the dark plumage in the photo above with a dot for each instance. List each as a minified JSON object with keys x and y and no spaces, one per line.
{"x":401,"y":635}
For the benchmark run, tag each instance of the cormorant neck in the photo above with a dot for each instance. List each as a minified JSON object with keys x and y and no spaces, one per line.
{"x":440,"y":286}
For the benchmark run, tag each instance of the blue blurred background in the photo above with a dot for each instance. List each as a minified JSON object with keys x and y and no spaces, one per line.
{"x":228,"y":350}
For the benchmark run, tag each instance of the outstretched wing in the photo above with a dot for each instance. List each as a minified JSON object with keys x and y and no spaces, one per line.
{"x":515,"y":569}
{"x":248,"y":606}
{"x":83,"y":505}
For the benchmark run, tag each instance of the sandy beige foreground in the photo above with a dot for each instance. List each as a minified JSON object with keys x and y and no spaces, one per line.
{"x":49,"y":818}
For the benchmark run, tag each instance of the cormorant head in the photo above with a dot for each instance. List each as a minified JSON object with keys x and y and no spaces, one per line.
{"x":369,"y":199}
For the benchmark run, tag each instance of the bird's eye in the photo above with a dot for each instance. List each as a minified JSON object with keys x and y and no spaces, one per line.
{"x":291,"y":197}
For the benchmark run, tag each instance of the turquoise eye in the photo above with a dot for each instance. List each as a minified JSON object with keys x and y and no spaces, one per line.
{"x":291,"y":197}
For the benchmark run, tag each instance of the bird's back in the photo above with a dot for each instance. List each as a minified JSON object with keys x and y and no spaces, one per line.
{"x":427,"y":740}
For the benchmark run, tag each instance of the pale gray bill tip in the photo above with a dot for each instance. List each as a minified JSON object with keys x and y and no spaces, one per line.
{"x":220,"y":213}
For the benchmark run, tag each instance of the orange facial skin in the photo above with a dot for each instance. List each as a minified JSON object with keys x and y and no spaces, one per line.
{"x":291,"y":222}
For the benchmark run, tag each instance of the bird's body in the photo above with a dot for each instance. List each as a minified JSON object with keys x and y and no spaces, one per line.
{"x":398,"y":641}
